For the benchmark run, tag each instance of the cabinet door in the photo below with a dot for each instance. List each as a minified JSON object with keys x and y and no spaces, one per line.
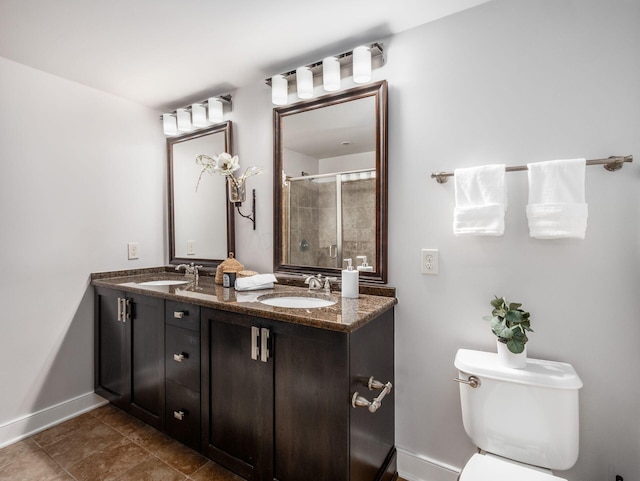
{"x":311,"y":405}
{"x":146,"y":331}
{"x":112,"y":375}
{"x":237,"y":394}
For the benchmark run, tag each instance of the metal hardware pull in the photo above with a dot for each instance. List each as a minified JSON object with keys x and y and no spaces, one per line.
{"x":180,"y":357}
{"x":473,"y":381}
{"x":255,"y":333}
{"x":264,"y":344}
{"x":179,"y":415}
{"x":119,"y":309}
{"x":178,"y":314}
{"x":360,"y":401}
{"x":123,"y":309}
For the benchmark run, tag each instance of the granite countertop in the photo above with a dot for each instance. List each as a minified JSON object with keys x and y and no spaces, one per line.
{"x":345,"y":315}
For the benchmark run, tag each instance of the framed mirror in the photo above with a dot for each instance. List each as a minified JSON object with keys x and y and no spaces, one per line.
{"x":330,"y":184}
{"x":201,"y":222}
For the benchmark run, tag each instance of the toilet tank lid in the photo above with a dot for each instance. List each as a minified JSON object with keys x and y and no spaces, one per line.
{"x":550,"y":374}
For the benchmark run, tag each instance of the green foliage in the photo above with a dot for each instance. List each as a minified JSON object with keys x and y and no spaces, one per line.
{"x":510,"y":324}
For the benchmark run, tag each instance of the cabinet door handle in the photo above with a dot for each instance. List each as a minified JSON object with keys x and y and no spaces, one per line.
{"x":179,"y":415}
{"x":127,"y":310}
{"x":178,"y":314}
{"x":360,"y":401}
{"x":180,"y":357}
{"x":255,"y":333}
{"x":119,"y":309}
{"x":264,"y":344}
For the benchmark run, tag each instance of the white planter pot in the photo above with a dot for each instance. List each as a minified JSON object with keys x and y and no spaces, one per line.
{"x":509,"y":359}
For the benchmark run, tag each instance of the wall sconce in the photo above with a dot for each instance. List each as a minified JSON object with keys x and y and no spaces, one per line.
{"x":358,"y":62}
{"x":197,"y":116}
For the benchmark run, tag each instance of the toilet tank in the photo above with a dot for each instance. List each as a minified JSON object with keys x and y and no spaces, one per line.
{"x":529,"y":415}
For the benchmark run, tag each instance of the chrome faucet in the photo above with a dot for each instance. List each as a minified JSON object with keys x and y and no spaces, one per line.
{"x":190,"y":270}
{"x":318,"y":282}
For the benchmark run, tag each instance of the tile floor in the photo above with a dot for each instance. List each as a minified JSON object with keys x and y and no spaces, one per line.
{"x":106,"y":444}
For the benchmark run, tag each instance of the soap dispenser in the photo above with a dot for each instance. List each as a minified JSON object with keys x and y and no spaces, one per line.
{"x":349,"y":281}
{"x":364,"y":266}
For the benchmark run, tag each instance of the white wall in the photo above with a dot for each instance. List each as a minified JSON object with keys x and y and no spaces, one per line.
{"x":83,"y":173}
{"x":511,"y":81}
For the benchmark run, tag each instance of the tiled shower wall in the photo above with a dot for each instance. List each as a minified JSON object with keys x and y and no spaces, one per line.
{"x":313,"y":222}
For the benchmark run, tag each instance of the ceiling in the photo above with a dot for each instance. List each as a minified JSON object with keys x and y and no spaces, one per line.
{"x":167,"y":53}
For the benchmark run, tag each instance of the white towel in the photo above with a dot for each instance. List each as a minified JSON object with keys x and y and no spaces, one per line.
{"x":254,"y":283}
{"x":557,"y":207}
{"x":481,"y":200}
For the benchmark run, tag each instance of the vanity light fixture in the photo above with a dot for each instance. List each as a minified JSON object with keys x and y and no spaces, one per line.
{"x":216,"y":110}
{"x":196,"y":116}
{"x":279,"y":90}
{"x":331,"y":74}
{"x":169,"y":124}
{"x":304,"y":82}
{"x":361,"y":64}
{"x":358,"y":62}
{"x":184,"y":120}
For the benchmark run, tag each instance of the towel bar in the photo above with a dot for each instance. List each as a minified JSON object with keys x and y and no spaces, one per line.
{"x":612,"y":164}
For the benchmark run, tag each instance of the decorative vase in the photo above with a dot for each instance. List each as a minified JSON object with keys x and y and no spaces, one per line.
{"x":237,"y":190}
{"x":509,"y":359}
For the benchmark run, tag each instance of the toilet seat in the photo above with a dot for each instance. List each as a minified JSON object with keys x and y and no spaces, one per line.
{"x":482,"y":467}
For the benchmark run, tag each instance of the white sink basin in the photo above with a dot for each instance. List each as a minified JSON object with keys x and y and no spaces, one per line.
{"x":297,"y":302}
{"x":167,"y":282}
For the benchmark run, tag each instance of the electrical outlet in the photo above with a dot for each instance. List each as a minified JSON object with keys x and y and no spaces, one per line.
{"x":133,"y":250}
{"x":191,"y":248}
{"x":429,"y":261}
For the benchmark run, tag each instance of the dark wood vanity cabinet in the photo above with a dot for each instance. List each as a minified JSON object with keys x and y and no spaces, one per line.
{"x":129,"y":353}
{"x":182,"y":364}
{"x":270,"y":400}
{"x":276,"y":399}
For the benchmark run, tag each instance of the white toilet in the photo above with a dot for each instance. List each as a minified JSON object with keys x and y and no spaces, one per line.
{"x":525,"y":421}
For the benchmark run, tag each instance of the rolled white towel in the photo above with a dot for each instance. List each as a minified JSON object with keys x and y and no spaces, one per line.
{"x":254,"y":283}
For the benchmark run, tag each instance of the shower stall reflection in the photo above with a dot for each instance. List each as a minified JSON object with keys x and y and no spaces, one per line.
{"x":330,"y":217}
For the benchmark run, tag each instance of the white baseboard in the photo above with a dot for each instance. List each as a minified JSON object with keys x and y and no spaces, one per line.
{"x":33,"y":423}
{"x":416,"y":467}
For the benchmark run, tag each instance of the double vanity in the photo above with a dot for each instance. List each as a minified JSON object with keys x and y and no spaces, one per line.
{"x":279,"y":384}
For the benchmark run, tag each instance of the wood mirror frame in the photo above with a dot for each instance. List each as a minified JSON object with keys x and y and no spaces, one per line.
{"x":378,"y":91}
{"x":227,"y":237}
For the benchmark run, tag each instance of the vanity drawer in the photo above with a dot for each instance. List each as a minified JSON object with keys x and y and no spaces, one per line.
{"x":183,"y":414}
{"x":183,"y":315}
{"x":182,"y":357}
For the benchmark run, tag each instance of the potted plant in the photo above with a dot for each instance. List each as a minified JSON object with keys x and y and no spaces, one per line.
{"x":510,"y":324}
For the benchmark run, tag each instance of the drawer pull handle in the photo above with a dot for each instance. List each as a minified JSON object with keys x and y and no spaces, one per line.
{"x":360,"y":401}
{"x":178,"y":314}
{"x":179,"y":415}
{"x":180,"y":357}
{"x":255,"y":346}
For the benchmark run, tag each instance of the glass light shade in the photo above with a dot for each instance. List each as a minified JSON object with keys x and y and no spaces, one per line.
{"x":331,"y":74}
{"x":361,"y":64}
{"x":169,"y":124}
{"x":184,"y":120}
{"x":304,"y":81}
{"x":198,"y":115}
{"x":216,"y":112}
{"x":279,"y":90}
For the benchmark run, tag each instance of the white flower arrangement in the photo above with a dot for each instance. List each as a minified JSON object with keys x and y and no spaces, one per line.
{"x":225,"y":165}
